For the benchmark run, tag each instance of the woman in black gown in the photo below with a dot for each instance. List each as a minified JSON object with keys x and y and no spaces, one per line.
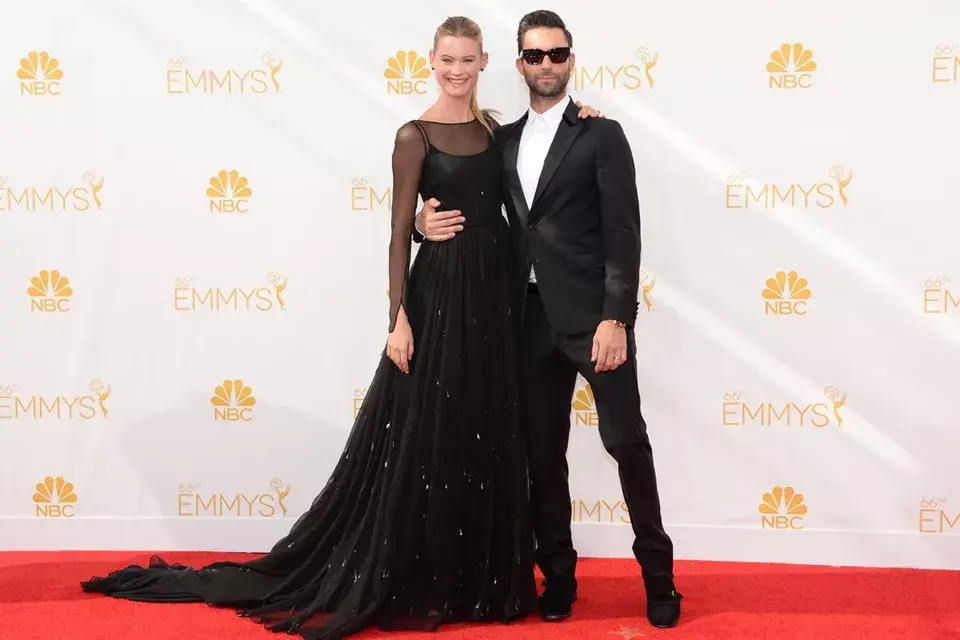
{"x":425,"y":518}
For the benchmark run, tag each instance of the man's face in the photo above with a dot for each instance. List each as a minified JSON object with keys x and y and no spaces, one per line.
{"x":546,"y":78}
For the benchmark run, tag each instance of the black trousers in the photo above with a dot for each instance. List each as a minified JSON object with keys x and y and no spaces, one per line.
{"x":550,"y":363}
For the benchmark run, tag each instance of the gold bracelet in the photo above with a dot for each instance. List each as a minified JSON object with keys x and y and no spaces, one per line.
{"x":622,"y":325}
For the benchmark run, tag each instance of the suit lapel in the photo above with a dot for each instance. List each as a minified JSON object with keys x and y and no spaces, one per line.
{"x":562,"y":141}
{"x":510,"y":152}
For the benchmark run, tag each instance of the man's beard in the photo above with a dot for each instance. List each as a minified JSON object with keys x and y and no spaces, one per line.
{"x":552,"y":91}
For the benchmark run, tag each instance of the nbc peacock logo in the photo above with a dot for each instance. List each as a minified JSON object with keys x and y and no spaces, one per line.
{"x":782,"y":509}
{"x":790,"y":67}
{"x":229,"y":192}
{"x":406,"y":73}
{"x":39,"y":74}
{"x":233,"y":401}
{"x":193,"y":501}
{"x":584,"y":406}
{"x":786,"y":294}
{"x":49,"y":292}
{"x":54,"y":498}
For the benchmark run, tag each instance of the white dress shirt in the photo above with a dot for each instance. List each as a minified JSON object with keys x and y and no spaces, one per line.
{"x":535,"y":140}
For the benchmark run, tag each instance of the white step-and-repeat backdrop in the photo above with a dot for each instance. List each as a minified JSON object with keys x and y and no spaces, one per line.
{"x":194,"y":218}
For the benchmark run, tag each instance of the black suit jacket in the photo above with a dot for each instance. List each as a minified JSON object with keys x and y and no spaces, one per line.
{"x":582,"y":232}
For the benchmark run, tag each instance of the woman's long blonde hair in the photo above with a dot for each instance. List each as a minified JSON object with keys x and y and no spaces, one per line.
{"x":461,"y":27}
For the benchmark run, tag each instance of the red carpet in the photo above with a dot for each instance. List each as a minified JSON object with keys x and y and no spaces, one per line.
{"x":40,"y":599}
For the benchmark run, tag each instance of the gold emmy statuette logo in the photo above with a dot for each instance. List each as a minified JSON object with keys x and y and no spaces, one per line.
{"x":790,"y":67}
{"x":191,"y":502}
{"x":365,"y":197}
{"x":256,"y":80}
{"x":738,"y":411}
{"x":14,"y":406}
{"x":187,"y":297}
{"x":613,"y":511}
{"x":49,"y":291}
{"x":626,"y":77}
{"x":786,"y":294}
{"x":233,"y":401}
{"x":57,"y":198}
{"x":646,"y":286}
{"x":358,"y":397}
{"x":585,"y":407}
{"x":229,"y":192}
{"x":782,"y":509}
{"x":39,"y":75}
{"x":54,"y":498}
{"x":406,"y":73}
{"x":935,"y":516}
{"x":938,"y":297}
{"x":741,"y":194}
{"x":946,"y":63}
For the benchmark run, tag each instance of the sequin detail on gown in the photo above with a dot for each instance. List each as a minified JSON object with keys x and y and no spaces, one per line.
{"x":425,"y":518}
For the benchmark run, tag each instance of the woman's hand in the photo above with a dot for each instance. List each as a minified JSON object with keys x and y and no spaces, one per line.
{"x":400,"y":343}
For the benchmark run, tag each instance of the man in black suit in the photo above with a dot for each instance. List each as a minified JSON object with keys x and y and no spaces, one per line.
{"x":572,"y":197}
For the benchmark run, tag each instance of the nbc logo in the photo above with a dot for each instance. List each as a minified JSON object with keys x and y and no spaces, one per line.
{"x":946,"y":63}
{"x":233,"y":401}
{"x":54,"y":498}
{"x":783,"y":509}
{"x":49,"y":291}
{"x":585,"y":407}
{"x":228,"y":192}
{"x":790,"y":67}
{"x":786,"y":294}
{"x":39,"y":75}
{"x":938,"y":297}
{"x":259,"y":80}
{"x":406,"y":73}
{"x":192,"y":502}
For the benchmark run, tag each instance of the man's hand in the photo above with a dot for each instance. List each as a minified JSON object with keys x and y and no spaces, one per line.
{"x":609,"y":347}
{"x":438,"y":226}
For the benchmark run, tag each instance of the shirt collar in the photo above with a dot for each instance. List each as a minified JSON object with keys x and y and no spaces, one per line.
{"x":552,"y":116}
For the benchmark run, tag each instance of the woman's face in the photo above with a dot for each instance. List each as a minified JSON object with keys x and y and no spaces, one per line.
{"x":457,"y":62}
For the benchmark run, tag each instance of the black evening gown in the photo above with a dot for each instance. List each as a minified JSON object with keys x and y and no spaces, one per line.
{"x":425,"y":518}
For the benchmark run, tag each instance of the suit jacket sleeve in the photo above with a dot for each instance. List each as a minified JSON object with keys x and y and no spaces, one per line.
{"x":620,"y":222}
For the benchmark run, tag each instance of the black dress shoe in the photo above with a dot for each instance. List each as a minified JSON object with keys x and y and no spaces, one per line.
{"x":556,"y":601}
{"x":663,"y":602}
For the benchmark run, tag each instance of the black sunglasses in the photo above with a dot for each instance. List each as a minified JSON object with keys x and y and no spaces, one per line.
{"x":557,"y":55}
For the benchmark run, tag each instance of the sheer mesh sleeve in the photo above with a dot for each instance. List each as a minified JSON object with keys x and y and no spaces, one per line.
{"x":409,"y":150}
